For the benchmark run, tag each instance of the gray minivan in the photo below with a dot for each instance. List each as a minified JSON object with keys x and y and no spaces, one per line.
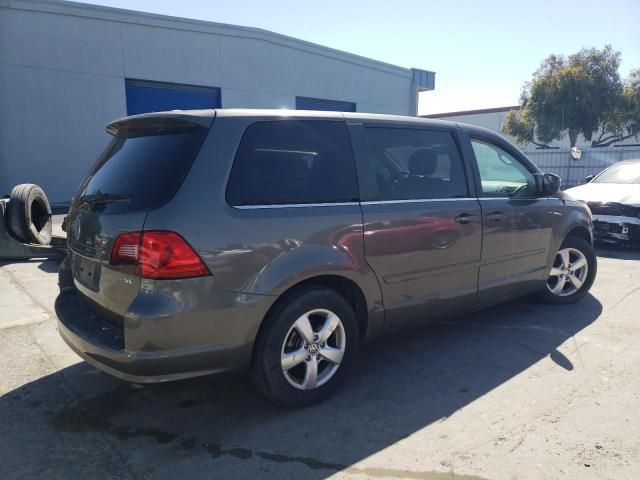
{"x":275,"y":241}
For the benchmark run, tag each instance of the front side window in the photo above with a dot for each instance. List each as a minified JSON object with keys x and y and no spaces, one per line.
{"x":414,"y":164}
{"x":501,"y":174}
{"x":293,"y":162}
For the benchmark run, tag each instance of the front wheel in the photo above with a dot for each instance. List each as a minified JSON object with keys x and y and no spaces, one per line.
{"x":306,"y":348}
{"x":572,"y":274}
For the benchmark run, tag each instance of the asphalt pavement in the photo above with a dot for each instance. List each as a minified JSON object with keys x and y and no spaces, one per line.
{"x":518,"y":391}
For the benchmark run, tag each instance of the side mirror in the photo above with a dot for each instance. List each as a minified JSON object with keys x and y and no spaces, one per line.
{"x":547,"y":184}
{"x":588,"y":178}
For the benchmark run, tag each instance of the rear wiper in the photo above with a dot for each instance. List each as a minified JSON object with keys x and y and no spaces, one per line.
{"x":104,"y":198}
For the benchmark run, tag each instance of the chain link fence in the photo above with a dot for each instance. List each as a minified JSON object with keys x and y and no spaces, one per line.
{"x":593,"y":161}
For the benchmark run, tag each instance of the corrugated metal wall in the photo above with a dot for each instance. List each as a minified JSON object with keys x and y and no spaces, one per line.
{"x":593,"y":161}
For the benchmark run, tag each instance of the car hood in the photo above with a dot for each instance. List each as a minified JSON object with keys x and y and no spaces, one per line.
{"x":627,"y":194}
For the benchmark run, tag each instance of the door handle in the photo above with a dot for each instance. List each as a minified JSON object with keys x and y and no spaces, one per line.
{"x":496,"y":216}
{"x":465,"y":218}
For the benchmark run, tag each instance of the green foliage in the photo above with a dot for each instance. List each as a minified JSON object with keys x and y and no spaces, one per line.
{"x":521,"y":125}
{"x":579,"y":94}
{"x":631,"y":100}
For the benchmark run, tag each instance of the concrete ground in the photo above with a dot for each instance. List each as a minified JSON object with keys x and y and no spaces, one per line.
{"x":519,"y":391}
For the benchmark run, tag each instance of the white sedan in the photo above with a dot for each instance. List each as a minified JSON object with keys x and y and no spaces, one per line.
{"x":614,"y":199}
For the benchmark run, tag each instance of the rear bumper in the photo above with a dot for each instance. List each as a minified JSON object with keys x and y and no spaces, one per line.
{"x":103,"y":346}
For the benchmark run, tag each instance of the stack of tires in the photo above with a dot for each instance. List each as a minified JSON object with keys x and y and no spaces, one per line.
{"x":29,"y":214}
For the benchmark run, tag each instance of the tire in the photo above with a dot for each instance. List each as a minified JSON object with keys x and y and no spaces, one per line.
{"x":30,"y":214}
{"x":280,"y":337}
{"x":569,"y":293}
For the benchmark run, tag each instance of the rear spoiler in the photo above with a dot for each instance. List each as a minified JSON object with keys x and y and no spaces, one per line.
{"x":161,"y":123}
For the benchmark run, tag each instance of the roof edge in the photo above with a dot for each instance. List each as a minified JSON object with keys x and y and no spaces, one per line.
{"x":472,"y":112}
{"x":64,"y":7}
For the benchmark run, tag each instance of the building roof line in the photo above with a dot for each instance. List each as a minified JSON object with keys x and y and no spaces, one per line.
{"x":472,"y":112}
{"x":100,"y":12}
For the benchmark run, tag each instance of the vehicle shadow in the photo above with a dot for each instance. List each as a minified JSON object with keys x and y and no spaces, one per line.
{"x":50,"y":266}
{"x":79,"y":422}
{"x":47,"y":265}
{"x":618,"y":252}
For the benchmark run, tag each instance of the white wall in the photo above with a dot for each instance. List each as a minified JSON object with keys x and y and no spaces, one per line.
{"x":63,"y":65}
{"x":495,"y":121}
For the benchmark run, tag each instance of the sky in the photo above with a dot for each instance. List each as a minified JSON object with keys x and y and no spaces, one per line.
{"x":482,"y":51}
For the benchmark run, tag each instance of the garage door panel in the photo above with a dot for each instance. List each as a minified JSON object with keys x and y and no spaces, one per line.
{"x":145,"y":97}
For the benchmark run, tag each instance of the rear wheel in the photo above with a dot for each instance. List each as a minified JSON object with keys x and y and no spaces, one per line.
{"x":306,"y":348}
{"x":572,"y":274}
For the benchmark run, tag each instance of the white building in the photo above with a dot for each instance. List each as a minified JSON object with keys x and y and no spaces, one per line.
{"x":67,"y":69}
{"x":494,"y":119}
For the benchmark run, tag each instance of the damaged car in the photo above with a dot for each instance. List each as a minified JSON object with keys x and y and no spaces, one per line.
{"x":614,"y":199}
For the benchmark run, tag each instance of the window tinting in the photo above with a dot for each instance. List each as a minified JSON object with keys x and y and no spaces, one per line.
{"x":141,"y":169}
{"x":415,"y":164}
{"x":287,"y":162}
{"x":500,"y":173}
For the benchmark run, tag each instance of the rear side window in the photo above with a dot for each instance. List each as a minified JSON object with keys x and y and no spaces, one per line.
{"x":413,"y":164}
{"x":293,"y":162}
{"x":140,"y":169}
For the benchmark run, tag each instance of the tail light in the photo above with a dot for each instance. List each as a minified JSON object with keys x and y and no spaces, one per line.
{"x":125,"y":249}
{"x":158,"y":254}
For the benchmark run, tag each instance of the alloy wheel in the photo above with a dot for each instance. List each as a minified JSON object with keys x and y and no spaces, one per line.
{"x":569,"y":272}
{"x":313,"y":349}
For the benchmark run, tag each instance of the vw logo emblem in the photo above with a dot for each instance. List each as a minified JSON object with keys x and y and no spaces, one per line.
{"x":313,"y":348}
{"x":75,"y":228}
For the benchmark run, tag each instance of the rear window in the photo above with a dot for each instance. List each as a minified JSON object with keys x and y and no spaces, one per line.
{"x":293,"y":162}
{"x":141,"y":168}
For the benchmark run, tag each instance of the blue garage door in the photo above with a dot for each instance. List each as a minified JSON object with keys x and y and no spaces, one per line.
{"x":306,"y":103}
{"x":144,"y":96}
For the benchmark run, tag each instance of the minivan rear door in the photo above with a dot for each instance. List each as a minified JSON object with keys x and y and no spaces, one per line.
{"x":141,"y":169}
{"x":422,"y":227}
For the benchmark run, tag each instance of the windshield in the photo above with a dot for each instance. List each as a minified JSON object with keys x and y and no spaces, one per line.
{"x":622,"y":172}
{"x":140,"y":172}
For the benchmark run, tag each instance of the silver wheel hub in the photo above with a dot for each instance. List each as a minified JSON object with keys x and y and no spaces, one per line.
{"x":568,"y":273}
{"x":313,"y":349}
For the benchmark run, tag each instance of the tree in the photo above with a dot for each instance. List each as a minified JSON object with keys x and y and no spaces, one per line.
{"x":521,"y":125}
{"x":631,"y":96}
{"x":623,"y":120}
{"x":577,"y":95}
